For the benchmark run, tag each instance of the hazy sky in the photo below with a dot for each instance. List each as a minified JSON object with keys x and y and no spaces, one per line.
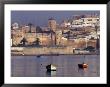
{"x":40,"y":18}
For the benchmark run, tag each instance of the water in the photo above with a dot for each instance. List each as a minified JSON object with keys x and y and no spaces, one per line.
{"x":67,"y":66}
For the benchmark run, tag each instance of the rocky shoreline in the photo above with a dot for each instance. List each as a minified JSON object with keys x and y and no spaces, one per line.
{"x":45,"y":51}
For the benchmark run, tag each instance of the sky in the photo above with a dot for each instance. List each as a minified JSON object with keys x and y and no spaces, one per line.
{"x":40,"y":18}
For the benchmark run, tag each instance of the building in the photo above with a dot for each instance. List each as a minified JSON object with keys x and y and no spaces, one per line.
{"x":26,"y":29}
{"x":30,"y":38}
{"x":91,"y":21}
{"x":15,"y":25}
{"x":70,"y":33}
{"x":86,"y":22}
{"x":45,"y":38}
{"x":65,"y":24}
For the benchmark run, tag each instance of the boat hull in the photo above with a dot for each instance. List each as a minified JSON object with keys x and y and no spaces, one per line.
{"x":82,"y":65}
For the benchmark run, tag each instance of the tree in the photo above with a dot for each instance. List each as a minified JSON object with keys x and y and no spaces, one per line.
{"x":96,"y":28}
{"x":90,"y":48}
{"x":23,"y":41}
{"x":97,"y":44}
{"x":37,"y":41}
{"x":97,"y":41}
{"x":38,"y":29}
{"x":68,"y":34}
{"x":30,"y":25}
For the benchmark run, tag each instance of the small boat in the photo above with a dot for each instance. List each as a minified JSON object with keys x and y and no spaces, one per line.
{"x":83,"y":65}
{"x":38,"y":55}
{"x":51,"y":67}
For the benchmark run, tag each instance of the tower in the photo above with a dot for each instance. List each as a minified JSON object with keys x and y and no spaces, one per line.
{"x":52,"y":24}
{"x":58,"y":37}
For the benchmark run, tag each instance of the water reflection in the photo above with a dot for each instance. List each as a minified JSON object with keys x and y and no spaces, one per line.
{"x":50,"y":73}
{"x":67,"y":66}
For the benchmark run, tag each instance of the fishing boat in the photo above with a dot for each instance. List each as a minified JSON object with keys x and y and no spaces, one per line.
{"x":51,"y":67}
{"x":83,"y":65}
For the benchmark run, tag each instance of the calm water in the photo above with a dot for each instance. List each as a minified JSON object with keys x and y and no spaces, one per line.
{"x":67,"y":66}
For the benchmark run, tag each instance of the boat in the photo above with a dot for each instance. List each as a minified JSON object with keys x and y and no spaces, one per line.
{"x":51,"y":67}
{"x":38,"y":55}
{"x":83,"y":65}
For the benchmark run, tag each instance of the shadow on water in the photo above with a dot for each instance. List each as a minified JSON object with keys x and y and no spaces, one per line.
{"x":50,"y":73}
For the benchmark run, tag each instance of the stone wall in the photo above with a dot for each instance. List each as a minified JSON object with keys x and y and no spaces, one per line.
{"x":48,"y":50}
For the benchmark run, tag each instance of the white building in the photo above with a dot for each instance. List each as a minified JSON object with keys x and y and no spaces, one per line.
{"x":65,"y":24}
{"x":77,"y":22}
{"x":15,"y":25}
{"x":86,"y":22}
{"x":90,"y":21}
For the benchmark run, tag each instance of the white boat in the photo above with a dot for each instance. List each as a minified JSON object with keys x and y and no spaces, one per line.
{"x":51,"y":67}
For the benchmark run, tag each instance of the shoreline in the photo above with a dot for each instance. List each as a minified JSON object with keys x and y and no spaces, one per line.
{"x":45,"y":51}
{"x":50,"y":54}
